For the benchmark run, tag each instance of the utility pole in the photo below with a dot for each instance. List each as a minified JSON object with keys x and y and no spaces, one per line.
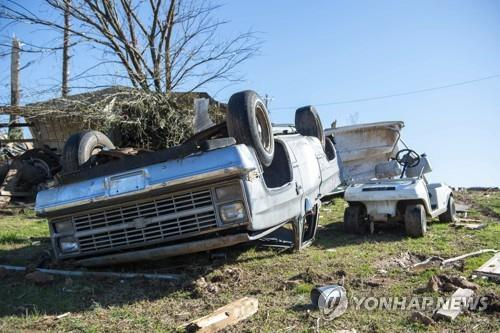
{"x":14,"y":133}
{"x":65,"y":58}
{"x":267,"y":99}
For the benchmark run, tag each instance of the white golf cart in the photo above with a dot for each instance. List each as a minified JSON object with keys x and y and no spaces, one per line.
{"x":386,"y":184}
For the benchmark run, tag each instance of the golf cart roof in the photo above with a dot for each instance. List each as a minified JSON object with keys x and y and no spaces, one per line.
{"x":361,"y":147}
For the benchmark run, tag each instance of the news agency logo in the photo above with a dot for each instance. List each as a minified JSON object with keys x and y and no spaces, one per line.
{"x":332,"y":302}
{"x":419,"y":303}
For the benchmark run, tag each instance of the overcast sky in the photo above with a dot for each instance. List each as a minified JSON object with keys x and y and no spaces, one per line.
{"x":326,"y":52}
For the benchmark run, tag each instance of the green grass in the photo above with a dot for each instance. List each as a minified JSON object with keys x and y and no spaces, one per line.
{"x":249,"y":270}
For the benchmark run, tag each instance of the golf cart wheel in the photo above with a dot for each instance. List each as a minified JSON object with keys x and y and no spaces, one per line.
{"x":304,"y":230}
{"x":354,"y":219}
{"x":308,"y":123}
{"x":248,"y":122}
{"x":415,"y":220}
{"x":81,"y":146}
{"x":450,"y":215}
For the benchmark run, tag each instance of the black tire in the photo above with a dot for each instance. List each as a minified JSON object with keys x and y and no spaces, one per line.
{"x":415,"y":220}
{"x":304,"y":230}
{"x":81,"y":146}
{"x":248,"y":122}
{"x":329,"y":149}
{"x":308,"y":123}
{"x":451,"y":214}
{"x":355,"y":219}
{"x":39,"y":165}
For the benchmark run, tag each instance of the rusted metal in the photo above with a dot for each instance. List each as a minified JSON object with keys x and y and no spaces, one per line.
{"x":166,"y":251}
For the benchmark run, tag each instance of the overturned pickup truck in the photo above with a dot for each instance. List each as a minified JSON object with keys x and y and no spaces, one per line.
{"x":231,"y":183}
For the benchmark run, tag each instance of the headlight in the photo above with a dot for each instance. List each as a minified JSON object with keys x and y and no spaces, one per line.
{"x":64,"y":227}
{"x":232,"y":212}
{"x":68,"y":244}
{"x":231,"y":192}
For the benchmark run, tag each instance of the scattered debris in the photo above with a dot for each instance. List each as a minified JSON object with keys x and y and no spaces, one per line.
{"x":228,"y":275}
{"x":455,"y":304}
{"x":331,"y":300}
{"x":491,"y":268}
{"x":39,"y":278}
{"x":201,"y":286}
{"x":371,"y":282}
{"x":492,"y":303}
{"x":447,"y":261}
{"x":227,"y":315}
{"x":61,"y":316}
{"x":444,"y":283}
{"x":171,"y":277}
{"x":404,"y":260}
{"x":431,"y":261}
{"x":419,"y":317}
{"x":427,"y":262}
{"x":290,"y":284}
{"x":469,"y":226}
{"x":463,"y":283}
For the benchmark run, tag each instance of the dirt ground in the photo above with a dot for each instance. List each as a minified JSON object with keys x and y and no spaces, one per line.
{"x":377,"y":265}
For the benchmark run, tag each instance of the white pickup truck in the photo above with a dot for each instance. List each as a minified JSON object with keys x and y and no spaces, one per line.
{"x":230,"y":184}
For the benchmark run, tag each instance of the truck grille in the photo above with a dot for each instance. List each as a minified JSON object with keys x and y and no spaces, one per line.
{"x":163,"y":218}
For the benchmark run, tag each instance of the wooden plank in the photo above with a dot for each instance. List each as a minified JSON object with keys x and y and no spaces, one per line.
{"x":491,"y":268}
{"x":455,"y":304}
{"x":227,"y":315}
{"x":470,"y":226}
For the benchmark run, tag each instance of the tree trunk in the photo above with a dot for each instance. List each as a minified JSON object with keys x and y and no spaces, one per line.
{"x":168,"y":36}
{"x":65,"y":59}
{"x":14,"y":133}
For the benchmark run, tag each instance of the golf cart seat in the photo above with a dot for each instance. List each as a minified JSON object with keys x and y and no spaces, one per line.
{"x":421,"y":168}
{"x":387,"y":169}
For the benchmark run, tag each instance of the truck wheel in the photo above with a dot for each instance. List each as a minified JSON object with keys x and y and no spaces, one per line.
{"x":415,"y":220}
{"x":248,"y":122}
{"x":81,"y":146}
{"x":304,"y":230}
{"x":354,"y":219}
{"x":308,"y":123}
{"x":450,"y":215}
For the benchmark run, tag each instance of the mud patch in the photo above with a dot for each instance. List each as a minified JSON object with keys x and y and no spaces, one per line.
{"x":403,"y":260}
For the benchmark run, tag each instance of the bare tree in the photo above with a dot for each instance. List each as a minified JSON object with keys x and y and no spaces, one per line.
{"x":162,"y":45}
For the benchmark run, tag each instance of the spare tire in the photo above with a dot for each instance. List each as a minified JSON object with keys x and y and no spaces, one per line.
{"x":248,"y":122}
{"x":308,"y":123}
{"x":81,"y":146}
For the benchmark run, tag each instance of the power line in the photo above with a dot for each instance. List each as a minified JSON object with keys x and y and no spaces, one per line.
{"x":406,"y":93}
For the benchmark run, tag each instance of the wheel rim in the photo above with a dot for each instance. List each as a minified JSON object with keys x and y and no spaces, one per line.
{"x":263,"y":129}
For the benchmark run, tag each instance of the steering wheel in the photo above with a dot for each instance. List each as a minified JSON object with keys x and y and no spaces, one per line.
{"x":407,"y":158}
